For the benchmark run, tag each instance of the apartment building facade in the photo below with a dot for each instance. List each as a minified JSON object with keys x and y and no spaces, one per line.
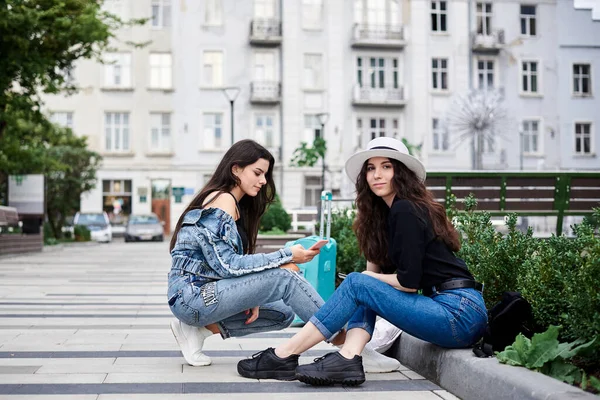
{"x":162,"y":117}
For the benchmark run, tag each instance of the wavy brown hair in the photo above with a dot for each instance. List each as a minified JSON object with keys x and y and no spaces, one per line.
{"x":242,"y":154}
{"x":370,"y":223}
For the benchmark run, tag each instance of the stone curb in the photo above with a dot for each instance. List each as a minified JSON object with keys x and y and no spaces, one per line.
{"x":471,"y":378}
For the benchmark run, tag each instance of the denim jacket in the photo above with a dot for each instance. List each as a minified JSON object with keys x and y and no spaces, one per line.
{"x":209,"y":247}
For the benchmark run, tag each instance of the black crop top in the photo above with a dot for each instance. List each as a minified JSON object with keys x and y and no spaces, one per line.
{"x":240,"y":226}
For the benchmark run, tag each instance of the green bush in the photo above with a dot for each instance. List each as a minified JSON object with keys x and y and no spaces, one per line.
{"x":275,"y":217}
{"x":82,"y":234}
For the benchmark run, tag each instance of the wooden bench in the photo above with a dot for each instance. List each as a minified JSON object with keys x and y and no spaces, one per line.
{"x":8,"y":217}
{"x":556,"y":194}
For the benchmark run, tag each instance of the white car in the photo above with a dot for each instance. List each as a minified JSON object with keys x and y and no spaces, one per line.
{"x":97,"y":223}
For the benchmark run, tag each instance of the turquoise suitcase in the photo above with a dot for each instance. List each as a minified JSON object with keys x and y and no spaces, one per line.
{"x":320,"y":272}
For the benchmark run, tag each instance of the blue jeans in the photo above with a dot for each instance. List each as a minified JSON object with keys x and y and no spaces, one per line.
{"x":280,"y":293}
{"x":452,"y":318}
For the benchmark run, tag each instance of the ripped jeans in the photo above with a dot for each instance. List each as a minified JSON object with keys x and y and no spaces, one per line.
{"x":279,"y":292}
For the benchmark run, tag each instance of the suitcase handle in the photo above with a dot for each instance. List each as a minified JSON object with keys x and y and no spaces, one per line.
{"x":326,"y":199}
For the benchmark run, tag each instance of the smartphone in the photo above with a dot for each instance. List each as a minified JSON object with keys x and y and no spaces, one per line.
{"x":319,"y":244}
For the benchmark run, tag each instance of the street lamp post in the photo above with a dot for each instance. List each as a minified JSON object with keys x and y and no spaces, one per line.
{"x":231,"y":93}
{"x":323,"y":117}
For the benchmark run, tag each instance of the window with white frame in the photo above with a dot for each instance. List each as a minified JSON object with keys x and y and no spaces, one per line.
{"x":264,"y":8}
{"x":377,"y":13}
{"x":485,"y":74}
{"x":583,"y":138}
{"x":264,"y":66}
{"x":484,"y":18}
{"x":116,"y":131}
{"x":160,"y":132}
{"x":440,"y":136}
{"x":312,"y":191}
{"x":582,"y":80}
{"x":213,"y":131}
{"x":439,"y":74}
{"x":62,"y":118}
{"x":377,"y":72}
{"x":161,"y":13}
{"x":439,"y":15}
{"x":528,"y":22}
{"x":312,"y":128}
{"x":161,"y":71}
{"x":371,"y":127}
{"x":213,"y":13}
{"x":212,"y":69}
{"x":531,"y":136}
{"x":312,"y":14}
{"x":264,"y":130}
{"x":313,"y":71}
{"x":117,"y":70}
{"x":529,"y":77}
{"x":116,"y":7}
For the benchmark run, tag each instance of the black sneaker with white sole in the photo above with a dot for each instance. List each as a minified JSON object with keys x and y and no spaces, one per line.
{"x":267,"y":365}
{"x":332,"y":368}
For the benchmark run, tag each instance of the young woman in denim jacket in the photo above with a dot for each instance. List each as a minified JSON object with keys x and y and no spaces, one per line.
{"x":216,"y":283}
{"x":410,"y":244}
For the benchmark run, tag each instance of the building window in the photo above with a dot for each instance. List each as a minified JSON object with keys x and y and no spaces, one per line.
{"x":485,"y":74}
{"x":371,"y":127}
{"x":312,"y":191}
{"x":312,"y":14}
{"x":116,"y":131}
{"x":160,"y":132}
{"x":64,"y":119}
{"x":377,"y":72}
{"x":212,"y":68}
{"x":312,"y":128}
{"x":264,"y":66}
{"x":116,"y":200}
{"x":213,"y":13}
{"x":161,"y":71}
{"x":213,"y":131}
{"x":264,"y":130}
{"x":439,"y":16}
{"x":531,"y":137}
{"x":439,"y":73}
{"x":378,"y":13}
{"x":582,"y":80}
{"x":583,"y":138}
{"x":528,"y":20}
{"x":529,"y":77}
{"x":161,"y":13}
{"x":264,"y":8}
{"x":440,"y":136}
{"x":313,"y":67}
{"x":376,"y":127}
{"x":484,"y":18}
{"x":117,"y":70}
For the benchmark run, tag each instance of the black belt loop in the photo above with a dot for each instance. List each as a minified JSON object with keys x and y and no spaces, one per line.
{"x":454,"y":284}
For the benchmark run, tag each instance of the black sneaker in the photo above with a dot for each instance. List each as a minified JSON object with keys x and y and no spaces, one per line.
{"x":266,"y":365}
{"x":332,"y":368}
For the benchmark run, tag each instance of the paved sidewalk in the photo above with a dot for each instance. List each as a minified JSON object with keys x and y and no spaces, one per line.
{"x":91,"y":322}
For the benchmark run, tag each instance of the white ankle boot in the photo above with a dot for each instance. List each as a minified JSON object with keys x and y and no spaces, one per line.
{"x":374,"y":362}
{"x":190,"y":340}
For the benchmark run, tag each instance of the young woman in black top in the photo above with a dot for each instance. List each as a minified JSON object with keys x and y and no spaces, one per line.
{"x":409,"y":243}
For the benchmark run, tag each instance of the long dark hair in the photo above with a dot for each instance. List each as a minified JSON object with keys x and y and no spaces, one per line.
{"x":242,"y":154}
{"x":371,"y":218}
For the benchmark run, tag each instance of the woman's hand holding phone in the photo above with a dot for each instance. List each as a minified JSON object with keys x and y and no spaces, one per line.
{"x":300,"y":255}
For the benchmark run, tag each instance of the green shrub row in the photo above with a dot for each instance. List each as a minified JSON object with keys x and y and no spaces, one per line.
{"x":275,"y":218}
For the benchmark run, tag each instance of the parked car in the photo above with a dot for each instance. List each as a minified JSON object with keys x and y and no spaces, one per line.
{"x":144,"y":227}
{"x":97,"y":223}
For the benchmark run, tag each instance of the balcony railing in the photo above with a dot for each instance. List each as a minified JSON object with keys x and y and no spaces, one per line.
{"x":368,"y":96}
{"x":265,"y":31}
{"x":488,"y":43}
{"x":368,"y":35}
{"x":265,"y":92}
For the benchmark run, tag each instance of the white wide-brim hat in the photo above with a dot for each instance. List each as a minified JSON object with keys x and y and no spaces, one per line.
{"x":384,"y":147}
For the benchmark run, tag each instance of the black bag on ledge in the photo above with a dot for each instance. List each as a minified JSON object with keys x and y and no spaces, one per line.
{"x":509,"y":317}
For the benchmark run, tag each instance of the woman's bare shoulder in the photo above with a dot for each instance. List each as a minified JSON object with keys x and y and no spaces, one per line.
{"x":223,"y":201}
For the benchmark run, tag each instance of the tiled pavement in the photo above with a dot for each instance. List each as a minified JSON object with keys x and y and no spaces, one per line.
{"x":91,"y":322}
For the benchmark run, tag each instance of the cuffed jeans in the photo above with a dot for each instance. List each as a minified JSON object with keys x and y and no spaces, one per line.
{"x":279,"y":292}
{"x":452,"y":318}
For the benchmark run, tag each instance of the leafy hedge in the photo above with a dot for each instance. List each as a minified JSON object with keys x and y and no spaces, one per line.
{"x":275,"y":218}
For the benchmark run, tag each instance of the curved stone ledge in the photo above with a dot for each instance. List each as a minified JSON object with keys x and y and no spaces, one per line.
{"x":463,"y":374}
